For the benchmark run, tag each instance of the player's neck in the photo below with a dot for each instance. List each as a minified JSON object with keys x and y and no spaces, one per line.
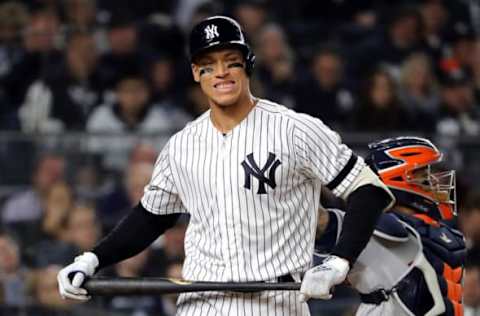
{"x":225,"y":118}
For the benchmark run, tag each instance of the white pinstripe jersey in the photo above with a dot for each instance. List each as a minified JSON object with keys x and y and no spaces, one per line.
{"x":252,"y":194}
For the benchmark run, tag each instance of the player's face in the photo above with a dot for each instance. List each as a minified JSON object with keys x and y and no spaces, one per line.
{"x":222,"y":76}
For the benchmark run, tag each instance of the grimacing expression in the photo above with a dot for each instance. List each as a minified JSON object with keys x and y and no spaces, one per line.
{"x":222,"y":76}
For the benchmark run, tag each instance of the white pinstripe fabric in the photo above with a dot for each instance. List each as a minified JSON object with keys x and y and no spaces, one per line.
{"x":236,"y":234}
{"x":241,"y":304}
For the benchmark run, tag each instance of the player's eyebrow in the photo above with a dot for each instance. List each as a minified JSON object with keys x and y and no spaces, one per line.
{"x":204,"y":60}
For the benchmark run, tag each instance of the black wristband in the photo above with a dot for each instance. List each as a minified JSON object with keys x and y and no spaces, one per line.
{"x":134,"y":233}
{"x":364,"y":206}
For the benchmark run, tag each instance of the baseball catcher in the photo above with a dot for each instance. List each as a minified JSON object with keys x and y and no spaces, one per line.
{"x":413,"y":264}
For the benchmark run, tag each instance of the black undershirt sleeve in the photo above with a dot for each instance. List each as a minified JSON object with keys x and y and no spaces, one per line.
{"x":134,"y":233}
{"x":364,"y":207}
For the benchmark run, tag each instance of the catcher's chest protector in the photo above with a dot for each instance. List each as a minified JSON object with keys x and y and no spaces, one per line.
{"x":444,"y":248}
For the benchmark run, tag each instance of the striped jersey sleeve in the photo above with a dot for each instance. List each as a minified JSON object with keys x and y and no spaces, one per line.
{"x":323,"y":155}
{"x":160,"y":195}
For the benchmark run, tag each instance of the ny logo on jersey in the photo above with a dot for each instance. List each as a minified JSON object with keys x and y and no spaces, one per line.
{"x":251,"y":169}
{"x":211,"y":31}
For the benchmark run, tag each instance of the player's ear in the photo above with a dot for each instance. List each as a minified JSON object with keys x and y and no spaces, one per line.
{"x":196,"y":72}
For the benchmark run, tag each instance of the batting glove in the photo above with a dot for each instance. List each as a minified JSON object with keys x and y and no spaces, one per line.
{"x":70,"y":278}
{"x":319,"y":280}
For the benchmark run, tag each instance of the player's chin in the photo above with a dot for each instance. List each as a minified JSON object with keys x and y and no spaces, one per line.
{"x":226,"y":100}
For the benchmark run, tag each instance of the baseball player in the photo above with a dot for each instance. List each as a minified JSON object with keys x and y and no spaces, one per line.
{"x":413,"y":265}
{"x":249,"y":172}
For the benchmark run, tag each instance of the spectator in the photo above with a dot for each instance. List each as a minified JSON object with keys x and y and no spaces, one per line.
{"x":471,"y":290}
{"x":134,"y":266}
{"x":403,"y":36}
{"x":82,"y":228}
{"x":58,"y":205}
{"x":50,"y":245}
{"x":167,"y":88}
{"x":469,"y":222}
{"x":173,"y":271}
{"x":67,"y":96}
{"x":116,"y":203}
{"x":13,"y":18}
{"x":143,"y":152}
{"x":330,"y":13}
{"x":138,"y":9}
{"x":460,"y":53}
{"x":325,"y":94}
{"x":80,"y":14}
{"x":379,"y":109}
{"x":123,"y":54}
{"x":89,"y":183}
{"x":79,"y":231}
{"x":435,"y":17}
{"x":476,"y":70}
{"x":196,"y":101}
{"x":418,"y":92}
{"x":458,"y":113}
{"x":14,"y":277}
{"x":275,"y":64}
{"x":251,"y":15}
{"x":28,"y":205}
{"x":190,"y":12}
{"x":170,"y":248}
{"x":45,"y":292}
{"x":40,"y":54}
{"x":160,"y":36}
{"x":134,"y":305}
{"x":132,"y":113}
{"x":83,"y":16}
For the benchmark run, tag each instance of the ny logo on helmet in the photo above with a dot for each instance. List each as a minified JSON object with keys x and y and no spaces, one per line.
{"x":251,"y":169}
{"x":211,"y":31}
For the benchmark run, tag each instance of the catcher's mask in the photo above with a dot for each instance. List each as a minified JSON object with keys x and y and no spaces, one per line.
{"x":407,"y":166}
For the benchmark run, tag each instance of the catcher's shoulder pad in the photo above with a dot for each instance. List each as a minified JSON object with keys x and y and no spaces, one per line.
{"x":444,"y":242}
{"x":390,"y":228}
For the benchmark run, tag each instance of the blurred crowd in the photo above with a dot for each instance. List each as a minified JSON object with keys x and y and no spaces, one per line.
{"x":112,"y":66}
{"x":118,"y":69}
{"x":47,"y":225}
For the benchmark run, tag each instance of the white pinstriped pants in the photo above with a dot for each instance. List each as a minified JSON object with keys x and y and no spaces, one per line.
{"x":271,"y":303}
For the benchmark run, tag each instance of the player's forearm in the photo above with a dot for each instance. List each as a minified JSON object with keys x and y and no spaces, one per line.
{"x":134,"y":233}
{"x":364,"y":206}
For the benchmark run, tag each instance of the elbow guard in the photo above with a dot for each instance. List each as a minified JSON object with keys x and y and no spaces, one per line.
{"x":367,"y":177}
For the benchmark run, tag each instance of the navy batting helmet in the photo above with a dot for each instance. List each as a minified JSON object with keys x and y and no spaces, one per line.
{"x":219,"y":32}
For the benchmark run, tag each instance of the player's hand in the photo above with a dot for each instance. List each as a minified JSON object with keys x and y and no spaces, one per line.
{"x":319,"y":280}
{"x":70,"y":278}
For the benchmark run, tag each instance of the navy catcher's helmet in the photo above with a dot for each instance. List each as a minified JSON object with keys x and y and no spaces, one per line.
{"x":404,"y":164}
{"x":218,"y":32}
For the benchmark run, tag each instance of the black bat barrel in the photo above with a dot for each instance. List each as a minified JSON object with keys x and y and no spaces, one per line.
{"x":149,"y":286}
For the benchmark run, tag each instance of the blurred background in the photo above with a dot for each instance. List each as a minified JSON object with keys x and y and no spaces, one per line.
{"x":91,"y":90}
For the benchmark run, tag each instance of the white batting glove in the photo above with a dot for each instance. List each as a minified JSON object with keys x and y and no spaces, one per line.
{"x":319,"y":280}
{"x":72,"y":276}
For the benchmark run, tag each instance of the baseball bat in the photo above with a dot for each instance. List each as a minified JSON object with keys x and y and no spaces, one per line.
{"x":147,"y":286}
